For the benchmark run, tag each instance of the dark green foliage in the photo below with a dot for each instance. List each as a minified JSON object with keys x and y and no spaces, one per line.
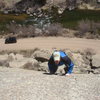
{"x":70,"y":19}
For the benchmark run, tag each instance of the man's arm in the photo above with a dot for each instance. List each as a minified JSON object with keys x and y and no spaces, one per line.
{"x":52,"y":67}
{"x":50,"y":63}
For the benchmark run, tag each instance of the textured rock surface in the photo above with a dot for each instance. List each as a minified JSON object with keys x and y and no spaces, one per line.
{"x":96,"y":60}
{"x":38,"y":61}
{"x":42,"y":55}
{"x":30,"y":6}
{"x":19,"y":84}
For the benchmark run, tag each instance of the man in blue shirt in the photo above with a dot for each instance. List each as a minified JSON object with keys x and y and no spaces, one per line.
{"x":59,"y":58}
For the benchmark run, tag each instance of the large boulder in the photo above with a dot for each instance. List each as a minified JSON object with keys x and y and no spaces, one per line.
{"x":19,"y":56}
{"x":43,"y":67}
{"x":32,"y":65}
{"x":26,"y":63}
{"x":86,"y":6}
{"x":55,"y":2}
{"x":24,"y":5}
{"x":80,"y":65}
{"x":42,"y":55}
{"x":4,"y":60}
{"x":96,"y":60}
{"x":11,"y":57}
{"x":96,"y":64}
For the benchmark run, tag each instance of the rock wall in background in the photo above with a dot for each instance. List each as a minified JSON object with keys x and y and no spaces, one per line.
{"x":24,"y":5}
{"x":85,"y":63}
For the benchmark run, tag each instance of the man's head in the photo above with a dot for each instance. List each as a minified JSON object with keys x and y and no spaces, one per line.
{"x":56,"y":56}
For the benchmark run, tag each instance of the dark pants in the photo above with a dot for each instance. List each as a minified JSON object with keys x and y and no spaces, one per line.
{"x":54,"y":68}
{"x":66,"y":69}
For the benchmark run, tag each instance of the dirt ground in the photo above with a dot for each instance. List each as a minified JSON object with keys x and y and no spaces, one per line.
{"x":52,"y":42}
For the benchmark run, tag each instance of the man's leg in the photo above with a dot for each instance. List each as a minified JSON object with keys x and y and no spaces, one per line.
{"x":66,"y":69}
{"x":53,"y":69}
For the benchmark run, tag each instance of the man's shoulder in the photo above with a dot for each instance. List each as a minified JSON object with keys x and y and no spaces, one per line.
{"x":63,"y":54}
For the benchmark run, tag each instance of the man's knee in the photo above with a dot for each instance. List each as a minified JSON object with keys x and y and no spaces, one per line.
{"x":66,"y":69}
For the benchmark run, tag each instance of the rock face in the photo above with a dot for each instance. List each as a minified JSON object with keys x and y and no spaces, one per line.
{"x":32,"y":85}
{"x":31,"y":6}
{"x":39,"y":61}
{"x":42,"y":55}
{"x":55,"y":1}
{"x":96,"y":60}
{"x":24,"y":5}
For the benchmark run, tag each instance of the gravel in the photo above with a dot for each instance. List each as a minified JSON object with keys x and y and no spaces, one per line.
{"x":20,"y":84}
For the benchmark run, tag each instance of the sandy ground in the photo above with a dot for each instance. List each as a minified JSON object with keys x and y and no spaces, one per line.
{"x":20,"y":84}
{"x":52,"y":42}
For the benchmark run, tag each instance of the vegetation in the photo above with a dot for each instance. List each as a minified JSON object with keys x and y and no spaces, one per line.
{"x":82,"y":20}
{"x":7,"y":18}
{"x":70,"y":19}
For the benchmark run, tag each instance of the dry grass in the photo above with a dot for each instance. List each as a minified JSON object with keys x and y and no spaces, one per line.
{"x":54,"y":29}
{"x":88,"y":29}
{"x":5,"y":18}
{"x":26,"y":53}
{"x":84,"y":26}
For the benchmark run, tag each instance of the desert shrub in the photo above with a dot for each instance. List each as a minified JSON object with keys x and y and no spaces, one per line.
{"x":2,"y":4}
{"x":13,"y":27}
{"x":87,"y":55}
{"x":27,"y":31}
{"x":22,"y":30}
{"x":89,"y":51}
{"x":95,"y":27}
{"x":83,"y":26}
{"x":94,"y":30}
{"x":88,"y":29}
{"x":54,"y":29}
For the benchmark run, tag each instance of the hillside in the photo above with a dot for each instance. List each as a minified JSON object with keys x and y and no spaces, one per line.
{"x":9,"y":2}
{"x":61,"y":3}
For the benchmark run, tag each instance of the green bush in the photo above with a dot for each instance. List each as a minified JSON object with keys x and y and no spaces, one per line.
{"x":70,"y":19}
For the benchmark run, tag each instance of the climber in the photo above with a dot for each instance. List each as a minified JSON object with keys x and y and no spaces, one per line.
{"x":59,"y":58}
